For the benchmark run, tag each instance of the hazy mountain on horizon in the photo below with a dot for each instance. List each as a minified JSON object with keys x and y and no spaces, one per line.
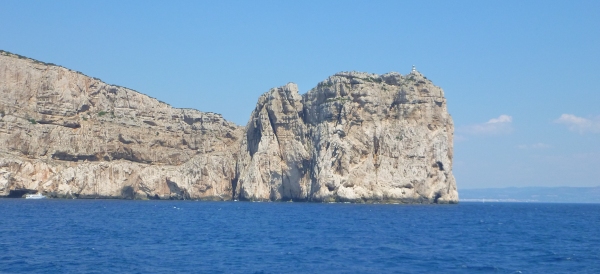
{"x":533,"y":194}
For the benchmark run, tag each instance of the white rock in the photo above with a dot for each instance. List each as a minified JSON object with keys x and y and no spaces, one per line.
{"x":356,"y":137}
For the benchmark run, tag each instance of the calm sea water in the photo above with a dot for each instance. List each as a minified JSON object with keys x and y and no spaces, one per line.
{"x":116,"y":236}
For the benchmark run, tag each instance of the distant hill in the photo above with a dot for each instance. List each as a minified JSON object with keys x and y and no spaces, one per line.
{"x":533,"y":194}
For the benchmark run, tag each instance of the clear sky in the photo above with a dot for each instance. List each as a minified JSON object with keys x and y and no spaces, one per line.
{"x":521,"y":77}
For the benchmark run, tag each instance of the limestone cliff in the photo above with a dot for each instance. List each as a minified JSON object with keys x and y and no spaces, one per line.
{"x":356,"y":137}
{"x":69,"y":135}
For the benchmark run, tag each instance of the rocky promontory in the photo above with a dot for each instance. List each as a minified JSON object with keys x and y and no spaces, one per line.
{"x":356,"y":137}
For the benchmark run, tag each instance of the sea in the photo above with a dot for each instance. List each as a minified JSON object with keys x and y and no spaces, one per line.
{"x":123,"y":236}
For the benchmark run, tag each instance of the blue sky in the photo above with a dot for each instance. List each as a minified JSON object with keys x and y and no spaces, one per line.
{"x":521,"y":77}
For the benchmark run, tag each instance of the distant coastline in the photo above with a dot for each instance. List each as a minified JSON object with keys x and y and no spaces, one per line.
{"x":532,"y":195}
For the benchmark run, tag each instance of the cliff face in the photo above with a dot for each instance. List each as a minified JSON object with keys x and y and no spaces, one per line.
{"x":66,"y":134}
{"x":355,"y":137}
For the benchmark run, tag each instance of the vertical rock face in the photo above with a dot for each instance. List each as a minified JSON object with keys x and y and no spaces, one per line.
{"x":356,"y":137}
{"x":275,"y":154}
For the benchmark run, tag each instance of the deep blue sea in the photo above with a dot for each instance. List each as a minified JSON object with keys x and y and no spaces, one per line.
{"x":119,"y":236}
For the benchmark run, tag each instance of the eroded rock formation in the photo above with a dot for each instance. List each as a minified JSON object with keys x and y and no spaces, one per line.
{"x":356,"y":137}
{"x":67,"y":134}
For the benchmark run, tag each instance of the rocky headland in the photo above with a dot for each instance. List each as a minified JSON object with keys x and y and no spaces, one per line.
{"x":356,"y":137}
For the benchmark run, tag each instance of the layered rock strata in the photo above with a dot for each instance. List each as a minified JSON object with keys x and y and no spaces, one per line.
{"x":69,"y":135}
{"x":356,"y":137}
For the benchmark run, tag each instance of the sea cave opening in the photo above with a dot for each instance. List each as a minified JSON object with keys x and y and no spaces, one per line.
{"x":19,"y":193}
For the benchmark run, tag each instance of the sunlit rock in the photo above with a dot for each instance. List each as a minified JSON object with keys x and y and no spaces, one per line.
{"x":356,"y":137}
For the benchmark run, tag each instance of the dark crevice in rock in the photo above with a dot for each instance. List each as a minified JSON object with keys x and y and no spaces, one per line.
{"x":189,"y":120}
{"x":127,"y":192}
{"x":112,"y":90}
{"x":234,"y":183}
{"x":46,"y":122}
{"x":150,"y":123}
{"x":83,"y":108}
{"x":253,"y":137}
{"x":339,"y":116}
{"x":180,"y":194}
{"x":128,"y":154}
{"x":272,"y":123}
{"x":63,"y":156}
{"x":69,"y":124}
{"x":376,"y":152}
{"x":122,"y":140}
{"x":440,"y":165}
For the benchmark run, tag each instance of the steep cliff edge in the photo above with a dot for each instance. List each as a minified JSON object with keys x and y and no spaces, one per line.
{"x":356,"y":137}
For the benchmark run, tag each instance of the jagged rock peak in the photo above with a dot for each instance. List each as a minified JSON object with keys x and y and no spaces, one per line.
{"x":356,"y":137}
